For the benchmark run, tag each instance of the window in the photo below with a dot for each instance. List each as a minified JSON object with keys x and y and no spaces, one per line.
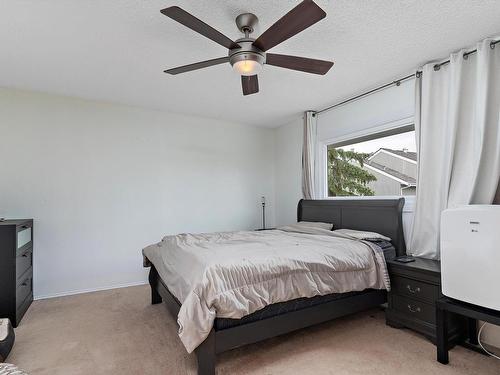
{"x":381,"y":164}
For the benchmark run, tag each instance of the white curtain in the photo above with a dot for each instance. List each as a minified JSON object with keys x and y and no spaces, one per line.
{"x":457,"y":123}
{"x":309,"y":152}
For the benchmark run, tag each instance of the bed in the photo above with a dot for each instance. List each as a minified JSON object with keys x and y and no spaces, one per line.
{"x":226,"y":333}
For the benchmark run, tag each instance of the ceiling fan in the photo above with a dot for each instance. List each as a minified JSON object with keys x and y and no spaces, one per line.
{"x":247,"y":55}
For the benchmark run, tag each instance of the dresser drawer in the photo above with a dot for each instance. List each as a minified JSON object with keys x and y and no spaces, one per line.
{"x":24,"y":289}
{"x":23,"y":264}
{"x":21,"y":310}
{"x":415,"y":309}
{"x":24,"y":235}
{"x":415,"y":289}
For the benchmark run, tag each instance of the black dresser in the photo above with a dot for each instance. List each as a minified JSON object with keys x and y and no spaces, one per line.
{"x":415,"y":288}
{"x":16,"y":268}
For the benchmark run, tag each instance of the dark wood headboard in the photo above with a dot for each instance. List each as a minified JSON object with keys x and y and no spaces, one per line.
{"x":384,"y":216}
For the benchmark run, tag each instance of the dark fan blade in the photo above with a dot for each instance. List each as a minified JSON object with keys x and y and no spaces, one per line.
{"x":188,"y":20}
{"x":305,"y":14}
{"x":299,"y":63}
{"x":250,"y":84}
{"x":198,"y":65}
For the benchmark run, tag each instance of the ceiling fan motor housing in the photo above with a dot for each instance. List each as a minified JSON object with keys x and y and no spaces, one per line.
{"x":246,"y":22}
{"x":247,"y":52}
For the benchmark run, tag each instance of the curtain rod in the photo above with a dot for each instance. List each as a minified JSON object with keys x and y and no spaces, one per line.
{"x":397,"y":82}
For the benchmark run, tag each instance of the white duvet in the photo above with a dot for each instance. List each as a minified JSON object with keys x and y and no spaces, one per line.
{"x":233,"y":274}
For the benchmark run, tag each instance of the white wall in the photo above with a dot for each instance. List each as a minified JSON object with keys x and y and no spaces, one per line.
{"x":288,"y":165}
{"x":102,"y":181}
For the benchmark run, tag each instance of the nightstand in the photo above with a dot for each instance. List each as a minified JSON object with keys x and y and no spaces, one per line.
{"x":415,"y":288}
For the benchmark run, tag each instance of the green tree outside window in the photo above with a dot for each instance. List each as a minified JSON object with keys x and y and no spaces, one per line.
{"x":346,"y":176}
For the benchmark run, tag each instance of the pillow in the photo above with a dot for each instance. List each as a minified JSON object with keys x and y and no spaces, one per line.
{"x":300,"y":228}
{"x":316,"y":224}
{"x":362,"y":235}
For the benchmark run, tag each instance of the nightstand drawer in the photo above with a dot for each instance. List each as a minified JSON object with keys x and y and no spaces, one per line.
{"x":415,"y":289}
{"x":415,"y":309}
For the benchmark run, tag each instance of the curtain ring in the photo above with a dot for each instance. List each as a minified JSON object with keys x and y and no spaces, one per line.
{"x":437,"y":67}
{"x":466,"y":56}
{"x":492,"y":45}
{"x":418,"y":74}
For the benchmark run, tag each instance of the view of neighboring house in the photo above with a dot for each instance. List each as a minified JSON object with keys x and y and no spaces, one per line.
{"x":395,"y":170}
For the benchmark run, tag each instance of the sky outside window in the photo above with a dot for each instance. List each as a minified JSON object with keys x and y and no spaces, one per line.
{"x":394,"y":142}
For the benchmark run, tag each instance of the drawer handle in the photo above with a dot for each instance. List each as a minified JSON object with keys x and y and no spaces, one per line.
{"x":411,"y":309}
{"x":25,"y":282}
{"x":25,"y":255}
{"x":413,"y":291}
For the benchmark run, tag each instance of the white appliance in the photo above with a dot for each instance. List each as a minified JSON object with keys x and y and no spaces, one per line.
{"x":470,"y":254}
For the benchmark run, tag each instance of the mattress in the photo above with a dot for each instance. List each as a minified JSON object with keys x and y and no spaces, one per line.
{"x":299,"y":303}
{"x":281,"y":308}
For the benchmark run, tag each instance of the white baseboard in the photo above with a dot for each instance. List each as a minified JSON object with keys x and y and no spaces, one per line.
{"x":81,"y":291}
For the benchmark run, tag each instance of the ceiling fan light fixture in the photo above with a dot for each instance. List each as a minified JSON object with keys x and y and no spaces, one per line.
{"x":246,"y":63}
{"x":247,"y":67}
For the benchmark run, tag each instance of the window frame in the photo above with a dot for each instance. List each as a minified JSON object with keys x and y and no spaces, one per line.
{"x":384,"y":130}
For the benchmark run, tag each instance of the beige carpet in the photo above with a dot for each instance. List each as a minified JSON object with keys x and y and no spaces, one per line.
{"x":120,"y":332}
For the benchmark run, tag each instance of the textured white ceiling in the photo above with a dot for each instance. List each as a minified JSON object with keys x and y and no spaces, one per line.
{"x":116,"y":50}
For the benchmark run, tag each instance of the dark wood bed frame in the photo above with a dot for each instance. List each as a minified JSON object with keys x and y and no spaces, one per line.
{"x":383,"y":216}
